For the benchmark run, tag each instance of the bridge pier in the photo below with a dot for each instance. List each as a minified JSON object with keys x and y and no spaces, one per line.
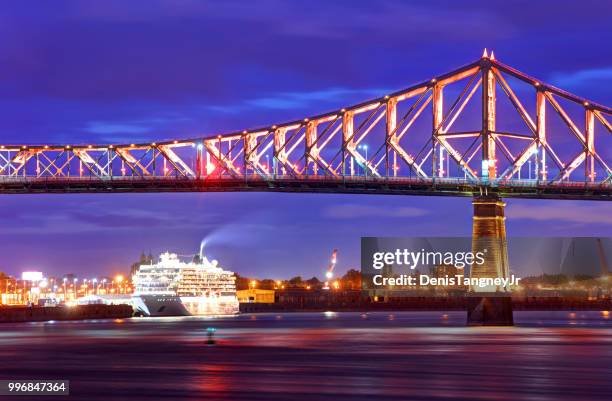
{"x":492,"y":305}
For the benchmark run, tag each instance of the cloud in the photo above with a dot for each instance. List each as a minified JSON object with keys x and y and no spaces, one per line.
{"x":350,"y":211}
{"x":136,"y":129}
{"x":81,"y":220}
{"x":101,"y":127}
{"x":300,"y":100}
{"x":573,"y":212}
{"x":582,"y":77}
{"x":293,"y":100}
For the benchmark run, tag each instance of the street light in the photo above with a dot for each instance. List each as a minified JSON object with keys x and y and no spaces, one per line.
{"x":119,"y":280}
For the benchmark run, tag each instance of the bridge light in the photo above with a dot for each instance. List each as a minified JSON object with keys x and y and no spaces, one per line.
{"x":153,"y":144}
{"x":537,"y":84}
{"x":110,"y":146}
{"x":433,"y":80}
{"x":175,"y":141}
{"x":245,"y":132}
{"x":132,"y":145}
{"x":586,"y":104}
{"x":24,"y":147}
{"x":46,"y":146}
{"x":274,"y":127}
{"x":306,"y":120}
{"x":2,"y":147}
{"x":67,"y":146}
{"x":343,"y":111}
{"x":88,"y":146}
{"x":386,"y":96}
{"x":218,"y":136}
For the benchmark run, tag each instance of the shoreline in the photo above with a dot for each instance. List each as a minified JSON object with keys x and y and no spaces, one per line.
{"x":17,"y":314}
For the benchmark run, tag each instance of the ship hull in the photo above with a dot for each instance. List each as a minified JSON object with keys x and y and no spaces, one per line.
{"x":168,"y":305}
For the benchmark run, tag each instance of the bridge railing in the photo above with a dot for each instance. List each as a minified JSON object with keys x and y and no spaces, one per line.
{"x":310,"y":180}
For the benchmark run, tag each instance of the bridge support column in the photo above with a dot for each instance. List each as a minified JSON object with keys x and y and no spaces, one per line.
{"x":489,"y":305}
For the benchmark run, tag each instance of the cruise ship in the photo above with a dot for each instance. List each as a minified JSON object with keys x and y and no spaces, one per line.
{"x":176,"y":288}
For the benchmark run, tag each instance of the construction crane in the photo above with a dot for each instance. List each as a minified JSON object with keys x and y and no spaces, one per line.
{"x":330,"y":269}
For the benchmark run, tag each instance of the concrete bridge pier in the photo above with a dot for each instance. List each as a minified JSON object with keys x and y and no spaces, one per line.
{"x":489,"y":305}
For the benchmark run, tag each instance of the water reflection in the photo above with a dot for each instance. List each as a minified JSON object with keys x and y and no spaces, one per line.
{"x":319,"y":356}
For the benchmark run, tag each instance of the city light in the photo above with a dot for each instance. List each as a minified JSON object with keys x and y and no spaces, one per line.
{"x":32,"y":276}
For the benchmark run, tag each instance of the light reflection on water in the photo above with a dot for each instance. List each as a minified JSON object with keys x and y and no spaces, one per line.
{"x":319,"y":356}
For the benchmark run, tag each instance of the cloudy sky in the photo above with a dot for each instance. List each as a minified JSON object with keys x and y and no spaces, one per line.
{"x":115,"y":71}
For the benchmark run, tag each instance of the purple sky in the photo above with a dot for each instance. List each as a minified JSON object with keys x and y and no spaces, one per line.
{"x":113,"y":71}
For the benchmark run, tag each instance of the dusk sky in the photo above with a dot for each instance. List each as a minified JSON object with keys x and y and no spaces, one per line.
{"x":116,"y":71}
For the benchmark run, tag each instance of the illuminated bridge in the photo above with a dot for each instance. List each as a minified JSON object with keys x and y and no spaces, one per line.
{"x":482,"y":128}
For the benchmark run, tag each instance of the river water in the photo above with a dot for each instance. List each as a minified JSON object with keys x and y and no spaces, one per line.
{"x":318,"y":356}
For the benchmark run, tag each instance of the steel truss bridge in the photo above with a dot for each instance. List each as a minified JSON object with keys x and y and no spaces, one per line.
{"x":484,"y":127}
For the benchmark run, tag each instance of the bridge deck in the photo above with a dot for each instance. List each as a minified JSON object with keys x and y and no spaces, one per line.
{"x":347,"y":185}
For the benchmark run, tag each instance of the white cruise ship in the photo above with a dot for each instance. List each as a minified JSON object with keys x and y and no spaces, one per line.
{"x":175,"y":288}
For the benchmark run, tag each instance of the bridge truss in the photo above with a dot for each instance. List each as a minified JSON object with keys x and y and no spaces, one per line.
{"x":483,"y":127}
